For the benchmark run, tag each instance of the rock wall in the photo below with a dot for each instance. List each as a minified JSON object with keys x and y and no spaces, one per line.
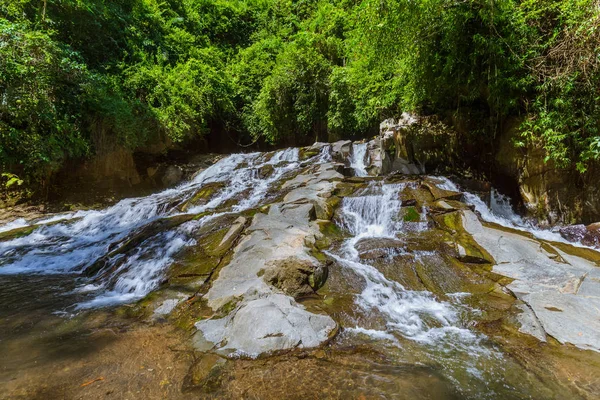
{"x":552,"y":194}
{"x":116,"y":171}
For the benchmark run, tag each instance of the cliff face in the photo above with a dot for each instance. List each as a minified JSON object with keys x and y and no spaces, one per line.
{"x":547,"y":192}
{"x":114,"y":170}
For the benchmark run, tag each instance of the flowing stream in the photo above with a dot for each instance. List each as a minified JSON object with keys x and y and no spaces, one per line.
{"x":69,"y":243}
{"x":433,"y":327}
{"x":430,"y":335}
{"x":417,"y":315}
{"x":501,"y":212}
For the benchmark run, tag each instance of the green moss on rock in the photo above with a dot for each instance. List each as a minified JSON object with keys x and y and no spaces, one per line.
{"x":410,"y":214}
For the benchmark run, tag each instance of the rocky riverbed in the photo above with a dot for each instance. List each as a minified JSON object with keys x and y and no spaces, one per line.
{"x":321,"y":272}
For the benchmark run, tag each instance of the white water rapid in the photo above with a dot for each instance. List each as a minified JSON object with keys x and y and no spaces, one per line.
{"x":69,"y":243}
{"x":358,"y":159}
{"x":437,"y":326}
{"x":501,"y":212}
{"x":414,"y":314}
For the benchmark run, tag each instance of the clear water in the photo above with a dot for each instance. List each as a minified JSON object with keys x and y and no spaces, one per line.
{"x":403,"y":329}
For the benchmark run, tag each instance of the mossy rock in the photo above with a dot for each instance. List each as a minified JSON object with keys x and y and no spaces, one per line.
{"x":192,"y":269}
{"x":444,"y":275}
{"x":17,"y":233}
{"x":439,"y":193}
{"x":468,"y":249}
{"x":345,"y":189}
{"x":265,"y":171}
{"x":306,"y":153}
{"x":325,"y":211}
{"x":203,"y":195}
{"x":400,"y":268}
{"x":410,"y":214}
{"x":196,"y":263}
{"x":419,"y":195}
{"x":330,"y":233}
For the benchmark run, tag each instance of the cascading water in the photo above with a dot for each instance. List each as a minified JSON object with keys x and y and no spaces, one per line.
{"x":418,"y":316}
{"x":70,"y":243}
{"x":358,"y":159}
{"x":500,"y":212}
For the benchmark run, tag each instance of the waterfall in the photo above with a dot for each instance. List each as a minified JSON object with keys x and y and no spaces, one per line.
{"x":415,"y":314}
{"x":501,"y":212}
{"x":69,"y":243}
{"x":436,"y":327}
{"x":358,"y":159}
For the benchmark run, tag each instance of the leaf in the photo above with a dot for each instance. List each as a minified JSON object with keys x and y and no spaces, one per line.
{"x":92,"y":381}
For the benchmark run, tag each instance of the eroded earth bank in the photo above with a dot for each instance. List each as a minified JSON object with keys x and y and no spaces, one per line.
{"x":301,"y":273}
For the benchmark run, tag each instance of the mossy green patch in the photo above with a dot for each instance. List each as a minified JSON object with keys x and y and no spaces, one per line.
{"x":203,"y":195}
{"x":305,"y":153}
{"x":17,"y":233}
{"x":410,"y":214}
{"x":472,"y":251}
{"x":228,"y":307}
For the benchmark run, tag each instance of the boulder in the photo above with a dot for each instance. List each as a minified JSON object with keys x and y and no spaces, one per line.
{"x":172,"y":175}
{"x":290,"y":275}
{"x":377,"y":162}
{"x":341,"y":150}
{"x":272,"y":264}
{"x":439,"y":193}
{"x":264,"y":325}
{"x":586,"y":235}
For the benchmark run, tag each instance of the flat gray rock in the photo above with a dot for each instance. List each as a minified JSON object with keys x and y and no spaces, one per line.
{"x":568,"y":318}
{"x":590,"y":287}
{"x":524,"y":260}
{"x":530,"y":324}
{"x":263,"y":325}
{"x":264,"y":318}
{"x":562,"y":290}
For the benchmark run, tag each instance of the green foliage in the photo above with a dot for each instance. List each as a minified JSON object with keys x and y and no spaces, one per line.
{"x":36,"y":130}
{"x":11,"y":180}
{"x":289,"y":72}
{"x":293,"y":99}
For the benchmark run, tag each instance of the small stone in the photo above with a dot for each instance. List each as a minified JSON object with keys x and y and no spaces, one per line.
{"x":320,"y":354}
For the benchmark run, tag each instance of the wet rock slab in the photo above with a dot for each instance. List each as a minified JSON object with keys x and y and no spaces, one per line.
{"x":561,"y":289}
{"x":272,"y":263}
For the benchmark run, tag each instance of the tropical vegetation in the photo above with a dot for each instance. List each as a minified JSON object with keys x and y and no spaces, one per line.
{"x":77,"y":72}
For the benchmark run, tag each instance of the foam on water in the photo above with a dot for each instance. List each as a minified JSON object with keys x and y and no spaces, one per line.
{"x":69,"y":243}
{"x":17,"y":223}
{"x":417,"y":315}
{"x":433,"y":324}
{"x":374,"y":333}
